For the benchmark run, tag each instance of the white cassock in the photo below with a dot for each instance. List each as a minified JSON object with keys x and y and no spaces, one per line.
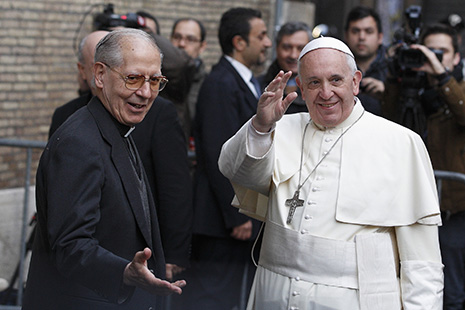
{"x":366,"y":236}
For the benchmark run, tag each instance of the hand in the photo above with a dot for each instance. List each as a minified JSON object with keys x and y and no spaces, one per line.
{"x":373,"y":87}
{"x":242,"y":232}
{"x":271,"y":106}
{"x":172,"y":270}
{"x":433,"y":65}
{"x":137,"y":274}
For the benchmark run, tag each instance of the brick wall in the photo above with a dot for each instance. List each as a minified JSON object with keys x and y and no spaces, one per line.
{"x":38,"y":63}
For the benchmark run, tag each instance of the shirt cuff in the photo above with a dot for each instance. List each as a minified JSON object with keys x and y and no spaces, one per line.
{"x":259,"y":143}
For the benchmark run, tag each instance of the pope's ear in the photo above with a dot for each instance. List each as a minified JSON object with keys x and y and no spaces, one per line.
{"x":357,"y":79}
{"x":99,"y":72}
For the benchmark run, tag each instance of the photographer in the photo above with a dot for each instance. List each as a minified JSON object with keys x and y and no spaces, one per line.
{"x":440,"y":102}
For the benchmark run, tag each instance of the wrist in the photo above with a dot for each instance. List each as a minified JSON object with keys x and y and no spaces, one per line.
{"x":442,"y":78}
{"x":260,"y":128}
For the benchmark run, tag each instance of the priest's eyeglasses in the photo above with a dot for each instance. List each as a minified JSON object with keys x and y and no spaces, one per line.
{"x":136,"y":81}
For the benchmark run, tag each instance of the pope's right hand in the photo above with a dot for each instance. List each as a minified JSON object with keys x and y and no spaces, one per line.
{"x":271,"y":106}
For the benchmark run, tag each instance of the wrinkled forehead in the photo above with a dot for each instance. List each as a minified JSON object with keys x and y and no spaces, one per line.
{"x":327,"y":60}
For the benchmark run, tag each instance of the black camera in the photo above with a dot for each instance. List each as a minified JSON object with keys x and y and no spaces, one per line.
{"x":108,"y":20}
{"x":412,"y":58}
{"x":406,"y":57}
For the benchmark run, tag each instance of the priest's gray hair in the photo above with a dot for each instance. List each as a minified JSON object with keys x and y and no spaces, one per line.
{"x":109,"y":49}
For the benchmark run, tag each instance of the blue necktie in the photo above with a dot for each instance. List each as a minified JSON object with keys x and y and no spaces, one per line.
{"x":257,"y":86}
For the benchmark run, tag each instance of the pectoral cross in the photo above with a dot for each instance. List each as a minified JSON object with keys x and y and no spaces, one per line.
{"x":293,"y":203}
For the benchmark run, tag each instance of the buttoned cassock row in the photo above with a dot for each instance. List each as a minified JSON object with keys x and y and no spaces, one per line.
{"x":366,"y":237}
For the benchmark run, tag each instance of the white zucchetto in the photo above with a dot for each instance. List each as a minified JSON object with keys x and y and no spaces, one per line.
{"x":326,"y":42}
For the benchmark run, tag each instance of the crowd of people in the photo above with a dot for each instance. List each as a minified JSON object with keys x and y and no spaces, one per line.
{"x":329,"y":155}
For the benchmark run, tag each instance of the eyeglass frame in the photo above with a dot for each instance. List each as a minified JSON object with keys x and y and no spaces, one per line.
{"x":161,"y":79}
{"x":189,"y":39}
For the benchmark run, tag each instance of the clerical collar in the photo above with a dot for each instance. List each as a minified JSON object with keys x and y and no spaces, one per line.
{"x":123,"y":130}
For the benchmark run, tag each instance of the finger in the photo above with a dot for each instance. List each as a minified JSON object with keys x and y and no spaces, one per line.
{"x":180,"y":283}
{"x":289,"y":99}
{"x":286,"y":78}
{"x":275,"y":83}
{"x":279,"y":75}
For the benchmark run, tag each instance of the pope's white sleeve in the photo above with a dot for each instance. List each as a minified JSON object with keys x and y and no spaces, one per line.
{"x":258,"y":143}
{"x":421,"y":269}
{"x":243,"y":168}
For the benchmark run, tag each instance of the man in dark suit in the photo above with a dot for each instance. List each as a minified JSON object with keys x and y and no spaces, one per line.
{"x":97,"y":242}
{"x":222,"y":237}
{"x":161,"y":145}
{"x":290,"y":40}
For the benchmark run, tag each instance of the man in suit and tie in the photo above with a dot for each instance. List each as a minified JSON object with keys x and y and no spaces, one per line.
{"x":97,"y":243}
{"x":222,"y":237}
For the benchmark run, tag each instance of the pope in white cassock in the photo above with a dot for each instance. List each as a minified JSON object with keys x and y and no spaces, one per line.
{"x":349,"y":199}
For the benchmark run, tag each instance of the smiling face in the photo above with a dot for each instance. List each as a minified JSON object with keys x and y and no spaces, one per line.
{"x":129,"y":107}
{"x":289,"y":48}
{"x":328,"y":86}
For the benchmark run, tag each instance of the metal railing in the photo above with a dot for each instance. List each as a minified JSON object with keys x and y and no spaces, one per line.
{"x":441,"y":175}
{"x":29,"y":146}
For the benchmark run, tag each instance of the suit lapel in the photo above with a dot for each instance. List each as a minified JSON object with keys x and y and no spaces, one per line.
{"x":122,"y":163}
{"x":250,"y":98}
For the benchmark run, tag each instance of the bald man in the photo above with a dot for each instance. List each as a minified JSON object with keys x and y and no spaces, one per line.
{"x":86,"y":54}
{"x":85,"y":64}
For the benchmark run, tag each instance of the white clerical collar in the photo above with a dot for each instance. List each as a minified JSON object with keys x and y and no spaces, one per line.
{"x":129,"y":131}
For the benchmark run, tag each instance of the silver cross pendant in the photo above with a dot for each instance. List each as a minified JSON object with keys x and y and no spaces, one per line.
{"x":293,"y":203}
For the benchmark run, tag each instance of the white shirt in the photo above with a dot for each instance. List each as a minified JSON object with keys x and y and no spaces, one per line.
{"x":245,"y":73}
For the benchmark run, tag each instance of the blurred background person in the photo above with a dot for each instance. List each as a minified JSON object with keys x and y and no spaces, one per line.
{"x":441,"y":107}
{"x":290,"y":40}
{"x":85,"y":65}
{"x":221,"y":271}
{"x":364,"y":36}
{"x":151,"y":23}
{"x":189,"y":34}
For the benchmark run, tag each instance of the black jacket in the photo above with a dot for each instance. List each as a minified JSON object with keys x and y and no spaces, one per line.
{"x":91,"y":220}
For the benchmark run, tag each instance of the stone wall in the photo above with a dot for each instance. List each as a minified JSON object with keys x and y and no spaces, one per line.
{"x":38,"y":63}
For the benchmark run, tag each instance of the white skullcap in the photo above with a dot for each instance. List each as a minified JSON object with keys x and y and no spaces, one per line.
{"x":326,"y":42}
